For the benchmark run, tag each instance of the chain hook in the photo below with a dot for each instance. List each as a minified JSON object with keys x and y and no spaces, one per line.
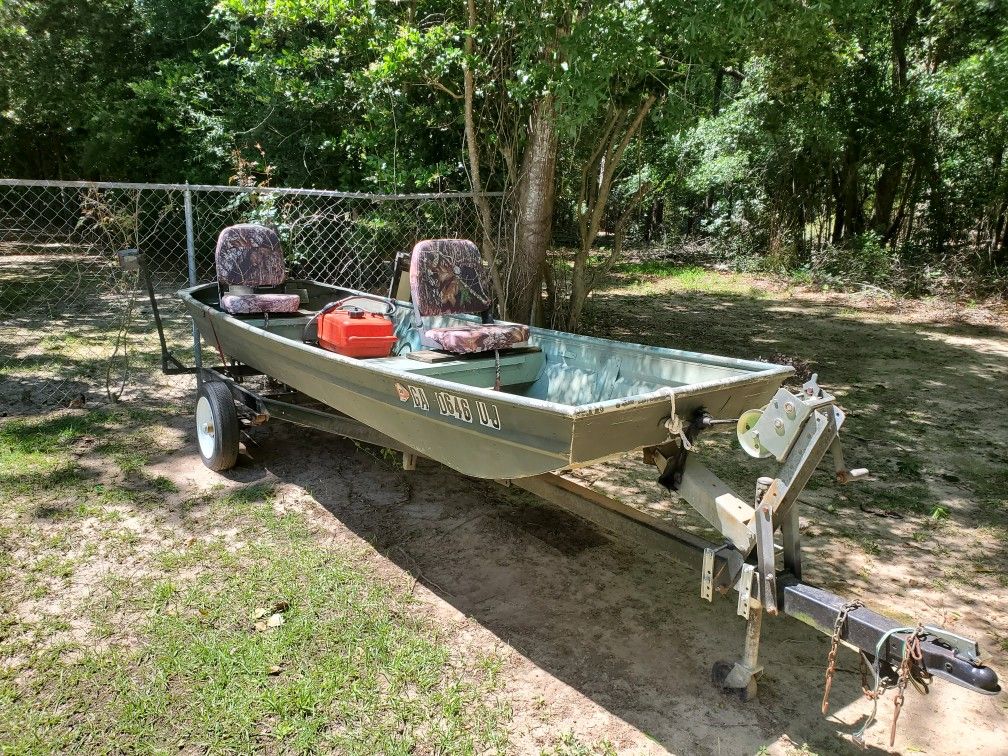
{"x":838,"y":625}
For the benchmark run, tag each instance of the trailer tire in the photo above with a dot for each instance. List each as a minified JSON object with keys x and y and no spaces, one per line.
{"x":217,"y":428}
{"x":719,"y":673}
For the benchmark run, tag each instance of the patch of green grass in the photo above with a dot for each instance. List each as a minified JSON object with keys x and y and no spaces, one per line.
{"x":244,"y":499}
{"x":898,"y":498}
{"x":35,"y":454}
{"x":39,"y":475}
{"x":652,"y":276}
{"x":130,"y":451}
{"x":349,"y":667}
{"x":254,"y":504}
{"x":869,"y":544}
{"x":55,"y":433}
{"x":52,"y":566}
{"x":492,"y":665}
{"x":569,"y":744}
{"x":112,"y":495}
{"x":163,"y":485}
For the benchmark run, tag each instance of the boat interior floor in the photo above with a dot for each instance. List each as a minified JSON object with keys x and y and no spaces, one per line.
{"x":554,"y":367}
{"x":519,"y":366}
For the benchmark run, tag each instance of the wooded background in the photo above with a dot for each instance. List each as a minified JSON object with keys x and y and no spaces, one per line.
{"x":862,"y":139}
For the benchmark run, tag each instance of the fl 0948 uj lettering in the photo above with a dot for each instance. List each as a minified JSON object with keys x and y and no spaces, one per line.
{"x":451,"y":405}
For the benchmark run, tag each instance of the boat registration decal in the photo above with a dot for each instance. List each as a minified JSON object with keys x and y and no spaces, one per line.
{"x":451,"y":405}
{"x":488,"y":415}
{"x":454,"y":406}
{"x":419,"y":397}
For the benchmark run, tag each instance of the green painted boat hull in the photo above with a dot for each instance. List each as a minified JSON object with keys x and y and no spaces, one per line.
{"x":576,"y":401}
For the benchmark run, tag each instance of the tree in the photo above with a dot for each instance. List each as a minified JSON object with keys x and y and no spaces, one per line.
{"x":536,"y":76}
{"x":853,"y":136}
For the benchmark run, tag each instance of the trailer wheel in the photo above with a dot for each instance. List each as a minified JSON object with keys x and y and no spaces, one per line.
{"x":217,"y":428}
{"x":719,"y":673}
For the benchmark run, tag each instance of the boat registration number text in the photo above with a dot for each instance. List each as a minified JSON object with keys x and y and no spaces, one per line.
{"x":451,"y":405}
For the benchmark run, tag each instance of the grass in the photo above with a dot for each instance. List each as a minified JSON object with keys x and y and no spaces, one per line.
{"x":659,"y":276}
{"x":176,"y":652}
{"x":568,"y":744}
{"x":905,"y":385}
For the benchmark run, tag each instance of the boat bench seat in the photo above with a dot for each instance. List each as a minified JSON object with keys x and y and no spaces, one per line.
{"x":518,"y":368}
{"x":256,"y":303}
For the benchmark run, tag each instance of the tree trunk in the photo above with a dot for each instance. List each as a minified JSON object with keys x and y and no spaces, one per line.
{"x":594,"y":197}
{"x":849,"y":212}
{"x":1002,"y":256}
{"x":550,"y":318}
{"x":536,"y":192}
{"x":654,"y":220}
{"x":840,"y":206}
{"x":582,"y":282}
{"x":853,"y":211}
{"x":800,"y":244}
{"x":999,"y":215}
{"x":886,"y":189}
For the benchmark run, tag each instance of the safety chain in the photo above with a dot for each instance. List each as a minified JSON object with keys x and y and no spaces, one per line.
{"x":911,"y":653}
{"x":838,"y":625}
{"x":910,"y":670}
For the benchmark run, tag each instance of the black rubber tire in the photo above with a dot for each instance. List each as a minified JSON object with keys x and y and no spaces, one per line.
{"x":223,"y":446}
{"x":719,"y":673}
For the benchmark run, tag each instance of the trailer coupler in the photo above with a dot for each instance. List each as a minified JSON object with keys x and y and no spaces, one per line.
{"x":943,"y":654}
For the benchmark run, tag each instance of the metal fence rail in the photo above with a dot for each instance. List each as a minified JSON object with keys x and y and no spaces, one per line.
{"x":72,"y":326}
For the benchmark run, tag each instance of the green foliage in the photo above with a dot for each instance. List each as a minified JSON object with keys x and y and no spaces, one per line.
{"x":857,"y":138}
{"x":848,"y":135}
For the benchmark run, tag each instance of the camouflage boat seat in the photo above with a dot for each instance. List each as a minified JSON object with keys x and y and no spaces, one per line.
{"x":248,"y":256}
{"x":448,"y":277}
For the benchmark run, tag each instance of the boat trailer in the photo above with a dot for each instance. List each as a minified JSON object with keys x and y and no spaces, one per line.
{"x":759,"y":558}
{"x":799,"y":430}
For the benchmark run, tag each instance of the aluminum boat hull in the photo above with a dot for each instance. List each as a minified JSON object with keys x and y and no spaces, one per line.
{"x":539,"y":423}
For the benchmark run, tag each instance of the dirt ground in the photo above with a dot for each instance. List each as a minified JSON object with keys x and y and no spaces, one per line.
{"x":610,"y":643}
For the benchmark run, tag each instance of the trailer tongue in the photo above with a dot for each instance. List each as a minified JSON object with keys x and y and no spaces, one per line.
{"x":797,"y":430}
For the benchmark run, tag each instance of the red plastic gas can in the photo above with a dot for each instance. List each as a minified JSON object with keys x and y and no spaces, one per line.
{"x":356,"y":333}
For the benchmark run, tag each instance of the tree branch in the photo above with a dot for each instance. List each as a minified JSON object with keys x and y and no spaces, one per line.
{"x":613,"y":157}
{"x":438,"y":85}
{"x":479,"y":198}
{"x":618,"y":233}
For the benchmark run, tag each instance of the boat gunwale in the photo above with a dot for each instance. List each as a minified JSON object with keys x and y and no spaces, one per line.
{"x":760,"y":370}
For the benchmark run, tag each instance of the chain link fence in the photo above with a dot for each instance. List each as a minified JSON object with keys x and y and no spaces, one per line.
{"x":75,"y":328}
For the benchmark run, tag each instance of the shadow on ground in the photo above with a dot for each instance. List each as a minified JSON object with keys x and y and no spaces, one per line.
{"x":622,"y":627}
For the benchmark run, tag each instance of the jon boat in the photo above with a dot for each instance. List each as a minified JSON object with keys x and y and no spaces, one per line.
{"x":518,"y":404}
{"x":564,"y":400}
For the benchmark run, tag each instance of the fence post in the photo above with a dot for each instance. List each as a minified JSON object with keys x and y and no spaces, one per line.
{"x":191,"y":258}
